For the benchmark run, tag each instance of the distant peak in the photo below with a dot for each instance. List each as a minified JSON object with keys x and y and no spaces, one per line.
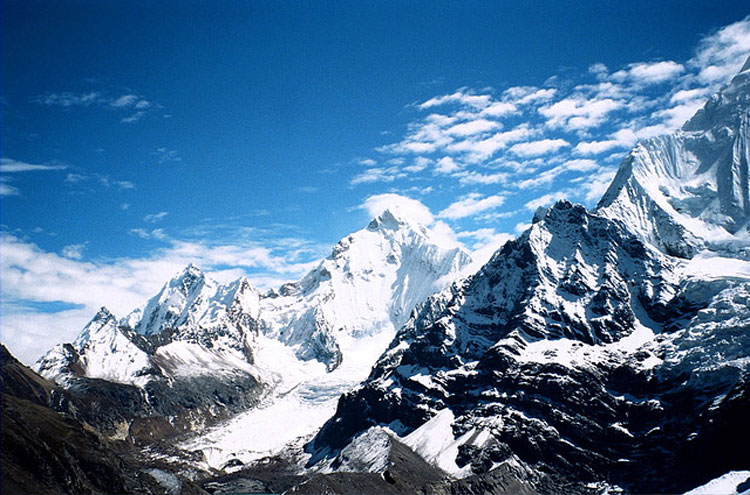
{"x":103,"y":314}
{"x":190,"y":272}
{"x":387,"y":219}
{"x":192,"y":268}
{"x":395,"y":219}
{"x":746,"y":67}
{"x":188,"y":278}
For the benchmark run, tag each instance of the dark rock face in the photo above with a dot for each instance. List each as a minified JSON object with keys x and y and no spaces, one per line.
{"x":407,"y":472}
{"x":44,"y":452}
{"x":546,"y":348}
{"x":158,"y":410}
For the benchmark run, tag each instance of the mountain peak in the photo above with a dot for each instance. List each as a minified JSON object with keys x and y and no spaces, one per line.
{"x":691,"y":190}
{"x":103,"y":320}
{"x":103,"y":314}
{"x":390,"y":219}
{"x":188,"y":278}
{"x":746,"y":66}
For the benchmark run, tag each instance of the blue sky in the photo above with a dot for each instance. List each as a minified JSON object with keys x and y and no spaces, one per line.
{"x":248,"y":137}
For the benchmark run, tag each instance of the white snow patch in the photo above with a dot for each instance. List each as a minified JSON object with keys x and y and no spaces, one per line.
{"x":727,"y":484}
{"x":435,"y":442}
{"x":707,"y":265}
{"x":169,"y":481}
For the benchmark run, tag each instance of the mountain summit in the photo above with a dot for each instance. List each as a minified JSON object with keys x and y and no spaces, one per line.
{"x":691,"y":190}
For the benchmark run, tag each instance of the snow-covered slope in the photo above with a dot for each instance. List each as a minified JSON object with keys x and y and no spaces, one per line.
{"x":691,"y":190}
{"x":367,"y":286}
{"x":102,"y":350}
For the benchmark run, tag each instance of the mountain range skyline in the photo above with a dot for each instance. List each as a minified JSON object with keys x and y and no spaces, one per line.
{"x":471,"y":160}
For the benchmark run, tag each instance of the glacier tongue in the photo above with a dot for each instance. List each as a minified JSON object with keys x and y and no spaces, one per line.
{"x":691,"y":190}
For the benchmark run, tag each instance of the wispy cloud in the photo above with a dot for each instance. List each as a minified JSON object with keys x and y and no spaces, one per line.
{"x":74,"y":251}
{"x":378,"y":174}
{"x":10,"y":168}
{"x":155,"y":217}
{"x":149,"y":234}
{"x":136,"y":105}
{"x":166,"y":155}
{"x":77,"y":179}
{"x":540,"y":147}
{"x":8,"y":165}
{"x":7,"y":189}
{"x":470,"y":205}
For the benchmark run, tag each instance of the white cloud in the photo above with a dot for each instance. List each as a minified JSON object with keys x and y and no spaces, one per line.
{"x":540,"y":147}
{"x":477,"y":150}
{"x":124,"y":101}
{"x":470,"y":205}
{"x":377,"y":174}
{"x":124,"y":184}
{"x":655,"y":72}
{"x":470,"y":128}
{"x":74,"y":251}
{"x":420,"y":163}
{"x":368,"y":162}
{"x":721,"y":54}
{"x":578,"y":112}
{"x":165,"y":155}
{"x":152,"y":234}
{"x":500,"y":109}
{"x":596,"y":147}
{"x":595,"y":185}
{"x":67,"y":99}
{"x":8,"y":165}
{"x":8,"y":190}
{"x":446,"y":165}
{"x":411,"y":208}
{"x":685,"y":95}
{"x":521,"y":227}
{"x":673,"y":118}
{"x":133,"y":118}
{"x":476,"y":178}
{"x":155,"y":217}
{"x":523,"y":95}
{"x":547,"y":176}
{"x":460,"y":97}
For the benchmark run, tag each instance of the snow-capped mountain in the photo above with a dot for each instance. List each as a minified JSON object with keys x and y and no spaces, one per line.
{"x":367,"y":286}
{"x":192,"y":326}
{"x":691,"y":190}
{"x":604,"y":349}
{"x":342,"y":314}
